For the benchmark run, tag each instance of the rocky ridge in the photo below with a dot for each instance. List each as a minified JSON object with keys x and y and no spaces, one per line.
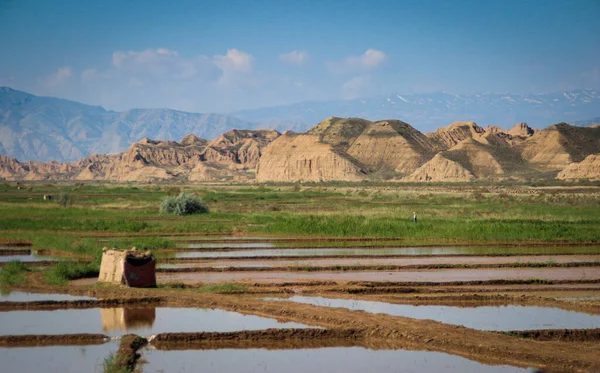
{"x":349,"y":149}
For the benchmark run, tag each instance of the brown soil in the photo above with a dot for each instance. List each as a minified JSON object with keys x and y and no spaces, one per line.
{"x":79,"y":304}
{"x":127,"y":355}
{"x":52,"y":340}
{"x":571,"y":335}
{"x":9,"y":252}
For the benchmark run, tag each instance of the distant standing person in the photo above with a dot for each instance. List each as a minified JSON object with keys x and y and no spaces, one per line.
{"x":415,"y":217}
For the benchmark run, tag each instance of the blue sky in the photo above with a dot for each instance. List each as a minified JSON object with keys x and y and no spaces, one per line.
{"x":220,"y":56}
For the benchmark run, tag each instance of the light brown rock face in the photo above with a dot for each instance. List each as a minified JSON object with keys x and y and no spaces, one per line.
{"x":239,"y":147}
{"x":391,"y":145}
{"x":589,"y":168}
{"x":99,"y":167}
{"x":449,"y":136}
{"x":339,"y":132}
{"x":353,"y":145}
{"x":303,"y":157}
{"x":11,"y":169}
{"x":559,"y":145}
{"x":440,"y":168}
{"x":521,"y":130}
{"x":150,"y":160}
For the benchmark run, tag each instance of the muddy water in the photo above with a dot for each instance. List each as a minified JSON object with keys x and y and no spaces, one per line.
{"x":26,"y":258}
{"x":331,"y":360}
{"x":19,"y":296}
{"x":436,"y":275}
{"x":496,"y":318}
{"x":143,"y":321}
{"x":387,"y":261}
{"x":387,"y":251}
{"x":56,"y":359}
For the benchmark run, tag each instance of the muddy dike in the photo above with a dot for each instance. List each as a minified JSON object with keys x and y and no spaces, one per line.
{"x":566,"y":335}
{"x":127,"y":355}
{"x":79,"y":304}
{"x":52,"y":340}
{"x":40,"y":263}
{"x":382,"y":284}
{"x":9,"y":252}
{"x":267,"y":338}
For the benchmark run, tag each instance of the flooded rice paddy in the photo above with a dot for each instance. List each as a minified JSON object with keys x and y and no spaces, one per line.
{"x":250,"y":251}
{"x":325,"y":262}
{"x":490,"y":318}
{"x":56,"y":359}
{"x":429,"y":276}
{"x":139,"y":320}
{"x":331,"y":360}
{"x":25,"y":258}
{"x":19,"y":296}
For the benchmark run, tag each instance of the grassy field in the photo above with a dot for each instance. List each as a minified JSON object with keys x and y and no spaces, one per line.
{"x":128,"y":215}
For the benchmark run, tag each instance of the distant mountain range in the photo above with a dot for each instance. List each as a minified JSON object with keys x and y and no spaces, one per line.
{"x":426,"y":112}
{"x":45,"y":128}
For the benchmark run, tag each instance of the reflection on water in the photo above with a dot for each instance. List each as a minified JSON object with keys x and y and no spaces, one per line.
{"x":56,"y":359}
{"x":19,"y":296}
{"x":26,"y":258}
{"x":145,"y":321}
{"x":127,"y":319}
{"x":496,"y":318}
{"x":330,"y":360}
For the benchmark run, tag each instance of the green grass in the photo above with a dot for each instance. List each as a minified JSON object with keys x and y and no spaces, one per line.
{"x":342,"y":225}
{"x":65,"y":224}
{"x":231,"y":287}
{"x":13,"y":273}
{"x":63,"y":272}
{"x":110,"y":365}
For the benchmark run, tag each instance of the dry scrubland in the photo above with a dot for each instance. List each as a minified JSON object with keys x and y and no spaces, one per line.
{"x":474,"y":245}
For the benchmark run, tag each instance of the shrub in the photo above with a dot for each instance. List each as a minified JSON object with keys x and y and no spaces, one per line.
{"x":61,"y":273}
{"x":183,"y":204}
{"x":13,"y":273}
{"x":64,"y":199}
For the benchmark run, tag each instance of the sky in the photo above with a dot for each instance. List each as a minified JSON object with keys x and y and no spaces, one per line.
{"x":222,"y":56}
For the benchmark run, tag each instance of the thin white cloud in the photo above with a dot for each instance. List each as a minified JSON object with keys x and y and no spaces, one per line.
{"x":60,"y":77}
{"x":147,"y":57}
{"x":234,"y":60}
{"x":161,"y":77}
{"x":294,"y":57}
{"x":356,"y":87}
{"x":371,"y":59}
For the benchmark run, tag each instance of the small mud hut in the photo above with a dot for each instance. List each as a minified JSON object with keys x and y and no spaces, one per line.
{"x":129,"y":267}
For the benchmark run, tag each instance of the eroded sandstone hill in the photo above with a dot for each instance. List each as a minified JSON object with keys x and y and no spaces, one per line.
{"x":350,"y":149}
{"x":233,"y":155}
{"x":589,"y":168}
